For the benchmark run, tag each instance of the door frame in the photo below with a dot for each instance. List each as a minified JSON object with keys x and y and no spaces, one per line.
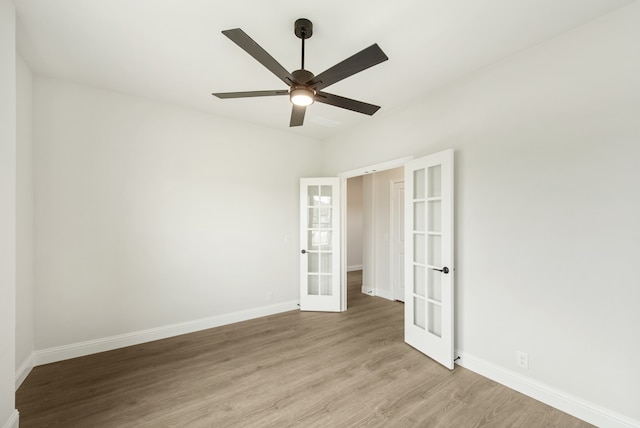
{"x":343,"y":176}
{"x":393,"y":221}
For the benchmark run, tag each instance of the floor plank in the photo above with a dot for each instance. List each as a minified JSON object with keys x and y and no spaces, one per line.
{"x":306,"y":369}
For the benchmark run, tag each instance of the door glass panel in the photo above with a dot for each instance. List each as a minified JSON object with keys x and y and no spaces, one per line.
{"x":325,"y":285}
{"x":418,"y":184}
{"x":434,"y":281}
{"x":313,"y":287}
{"x":320,"y":239}
{"x":325,"y":262}
{"x":434,"y":250}
{"x":435,"y":216}
{"x":313,"y":264}
{"x":314,"y":240}
{"x":418,"y":216}
{"x":418,"y":280}
{"x":325,"y":218}
{"x":325,"y":195}
{"x":434,"y":314}
{"x":419,"y":315}
{"x":325,"y":240}
{"x":313,"y":195}
{"x":418,"y":248}
{"x":313,"y":218}
{"x":435,"y":181}
{"x":320,"y":218}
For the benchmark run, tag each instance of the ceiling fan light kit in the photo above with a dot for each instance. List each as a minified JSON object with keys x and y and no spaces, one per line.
{"x":304,"y":87}
{"x":301,"y":95}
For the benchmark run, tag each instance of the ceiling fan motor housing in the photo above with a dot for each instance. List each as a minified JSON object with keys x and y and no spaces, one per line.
{"x":302,"y":76}
{"x":303,"y":28}
{"x":300,"y":93}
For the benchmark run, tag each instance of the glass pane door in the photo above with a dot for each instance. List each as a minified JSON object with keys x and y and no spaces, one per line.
{"x":429,"y":270}
{"x":320,"y":269}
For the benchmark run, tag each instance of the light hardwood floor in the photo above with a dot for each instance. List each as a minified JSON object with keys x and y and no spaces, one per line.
{"x":299,"y":369}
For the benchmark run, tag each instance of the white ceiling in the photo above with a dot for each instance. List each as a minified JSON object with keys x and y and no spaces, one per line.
{"x":173,"y":50}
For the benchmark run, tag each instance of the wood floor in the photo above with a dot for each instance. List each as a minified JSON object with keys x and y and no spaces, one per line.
{"x":296,"y":369}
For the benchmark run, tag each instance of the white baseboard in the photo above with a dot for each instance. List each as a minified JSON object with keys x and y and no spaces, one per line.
{"x":568,"y":403}
{"x":25,"y":368}
{"x":387,"y":294}
{"x":13,"y":420}
{"x":354,"y":267}
{"x":73,"y":350}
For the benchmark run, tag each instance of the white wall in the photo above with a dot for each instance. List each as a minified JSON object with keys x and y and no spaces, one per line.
{"x":8,"y":415}
{"x":24,"y":220}
{"x":148,"y":215}
{"x":547,"y":196}
{"x":354,"y":223}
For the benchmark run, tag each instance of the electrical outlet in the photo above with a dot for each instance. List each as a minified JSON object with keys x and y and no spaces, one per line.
{"x":269,"y":296}
{"x":522,"y":359}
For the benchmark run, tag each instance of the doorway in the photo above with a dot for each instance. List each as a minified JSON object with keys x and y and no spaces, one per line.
{"x":376,"y":239}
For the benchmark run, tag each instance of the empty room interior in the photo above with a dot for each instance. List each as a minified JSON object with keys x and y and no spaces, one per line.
{"x":195,"y":232}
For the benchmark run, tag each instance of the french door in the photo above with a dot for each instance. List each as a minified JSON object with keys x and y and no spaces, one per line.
{"x":429,"y":270}
{"x":320,"y":244}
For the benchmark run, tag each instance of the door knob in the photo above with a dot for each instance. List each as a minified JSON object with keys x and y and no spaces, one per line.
{"x":443,"y":270}
{"x":304,"y":251}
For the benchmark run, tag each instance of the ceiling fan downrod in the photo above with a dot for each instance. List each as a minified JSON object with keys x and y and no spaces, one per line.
{"x":303,"y":29}
{"x":302,"y":65}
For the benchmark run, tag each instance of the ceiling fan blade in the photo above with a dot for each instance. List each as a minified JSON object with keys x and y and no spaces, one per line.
{"x":354,"y":64}
{"x":241,"y":39}
{"x":249,"y":94}
{"x":347,"y":103}
{"x":297,"y":115}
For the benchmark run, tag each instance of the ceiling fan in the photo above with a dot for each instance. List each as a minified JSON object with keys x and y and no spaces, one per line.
{"x":304,"y":87}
